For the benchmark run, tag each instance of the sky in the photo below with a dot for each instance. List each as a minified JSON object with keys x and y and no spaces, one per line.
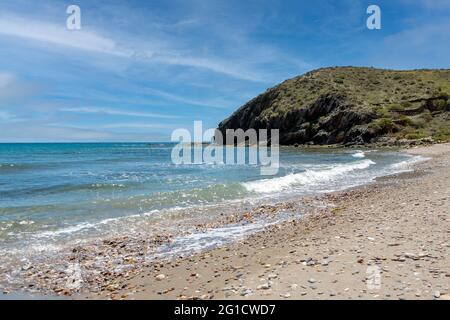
{"x":137,"y":70}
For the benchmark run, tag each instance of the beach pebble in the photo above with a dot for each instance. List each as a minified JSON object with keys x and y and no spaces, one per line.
{"x":310,"y":262}
{"x":264,"y":286}
{"x":246,"y":292}
{"x":160,"y":277}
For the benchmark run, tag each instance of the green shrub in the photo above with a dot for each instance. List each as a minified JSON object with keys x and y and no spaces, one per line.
{"x":415,"y":136}
{"x":426,"y":116}
{"x":406,"y":104}
{"x":374,"y":126}
{"x":382,"y":112}
{"x":405,"y":121}
{"x":395,"y":107}
{"x":419,"y":123}
{"x":411,"y":133}
{"x":440,"y":104}
{"x":442,"y":135}
{"x":383,"y":126}
{"x":436,"y":105}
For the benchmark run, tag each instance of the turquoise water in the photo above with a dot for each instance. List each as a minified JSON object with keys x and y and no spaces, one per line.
{"x":61,"y":192}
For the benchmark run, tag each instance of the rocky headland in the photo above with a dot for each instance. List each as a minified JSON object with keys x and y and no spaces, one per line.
{"x":350,"y":105}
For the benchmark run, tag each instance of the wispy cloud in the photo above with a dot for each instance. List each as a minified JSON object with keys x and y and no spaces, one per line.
{"x":184,"y":100}
{"x":12,"y":88}
{"x":90,"y":41}
{"x":116,"y":112}
{"x":138,"y":125}
{"x":214,"y":65}
{"x":416,"y":46}
{"x":59,"y":35}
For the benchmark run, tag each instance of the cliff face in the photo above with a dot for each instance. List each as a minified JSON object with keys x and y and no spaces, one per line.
{"x":352,"y":106}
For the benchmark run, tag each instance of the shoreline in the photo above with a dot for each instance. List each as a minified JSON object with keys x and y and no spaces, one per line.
{"x":397,"y":225}
{"x":253,"y":268}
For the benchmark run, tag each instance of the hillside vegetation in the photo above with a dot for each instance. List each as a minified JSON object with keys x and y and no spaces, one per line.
{"x":349,"y":105}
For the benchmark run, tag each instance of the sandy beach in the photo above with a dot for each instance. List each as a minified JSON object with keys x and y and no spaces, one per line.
{"x":386,"y":240}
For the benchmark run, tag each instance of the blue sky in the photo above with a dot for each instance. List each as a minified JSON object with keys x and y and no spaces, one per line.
{"x":139,"y":69}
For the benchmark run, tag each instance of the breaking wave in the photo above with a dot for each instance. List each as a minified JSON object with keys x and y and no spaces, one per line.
{"x":407,"y":164}
{"x":359,"y":155}
{"x":306,"y":177}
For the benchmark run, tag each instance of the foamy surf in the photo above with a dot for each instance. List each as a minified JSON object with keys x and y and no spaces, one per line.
{"x":359,"y":155}
{"x":307,"y":177}
{"x":407,"y":164}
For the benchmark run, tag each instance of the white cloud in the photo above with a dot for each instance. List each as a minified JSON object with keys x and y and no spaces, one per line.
{"x":426,"y":38}
{"x":138,"y":125}
{"x":114,"y":112}
{"x":211,"y":64}
{"x":59,"y":35}
{"x":180,"y":99}
{"x":424,"y":46}
{"x":12,"y":88}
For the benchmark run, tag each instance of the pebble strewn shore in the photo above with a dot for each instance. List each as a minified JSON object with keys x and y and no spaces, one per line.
{"x":388,"y":240}
{"x":103,"y":266}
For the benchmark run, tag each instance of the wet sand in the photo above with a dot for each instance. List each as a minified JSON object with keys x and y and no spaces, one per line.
{"x":386,"y":240}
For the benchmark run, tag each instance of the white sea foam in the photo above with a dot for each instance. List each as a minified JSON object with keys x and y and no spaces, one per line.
{"x":199,"y":241}
{"x":63,"y":231}
{"x":359,"y":155}
{"x":406,"y":165}
{"x":305,"y":178}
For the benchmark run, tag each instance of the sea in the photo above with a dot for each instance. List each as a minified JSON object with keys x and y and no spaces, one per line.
{"x":57,"y":195}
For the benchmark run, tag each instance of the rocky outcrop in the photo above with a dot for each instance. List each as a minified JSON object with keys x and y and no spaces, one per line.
{"x":343,"y":106}
{"x":329,"y":120}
